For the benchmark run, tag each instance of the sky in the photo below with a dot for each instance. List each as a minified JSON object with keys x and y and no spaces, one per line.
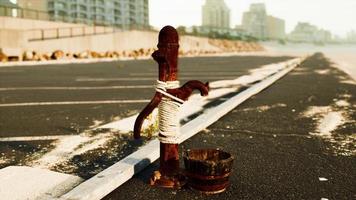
{"x":338,"y":16}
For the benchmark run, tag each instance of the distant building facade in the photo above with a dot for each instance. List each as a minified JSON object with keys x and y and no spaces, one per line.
{"x":258,"y":24}
{"x":6,"y":8}
{"x":323,"y":36}
{"x":120,"y":13}
{"x":213,"y":32}
{"x":351,"y":37}
{"x":33,"y":9}
{"x":216,"y":15}
{"x":305,"y":32}
{"x":254,"y":21}
{"x":275,"y":28}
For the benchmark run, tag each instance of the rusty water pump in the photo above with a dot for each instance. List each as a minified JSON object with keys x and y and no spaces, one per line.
{"x":167,"y":98}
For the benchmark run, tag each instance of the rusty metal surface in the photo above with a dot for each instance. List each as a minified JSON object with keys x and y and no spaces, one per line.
{"x":167,"y":58}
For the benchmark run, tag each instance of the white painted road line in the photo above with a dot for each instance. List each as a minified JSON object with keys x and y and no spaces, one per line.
{"x":108,"y":180}
{"x":73,"y":103}
{"x":149,"y":79}
{"x":32,"y":138}
{"x":67,"y":147}
{"x":78,"y":88}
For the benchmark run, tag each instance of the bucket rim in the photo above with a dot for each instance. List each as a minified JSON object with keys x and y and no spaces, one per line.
{"x":187,"y":157}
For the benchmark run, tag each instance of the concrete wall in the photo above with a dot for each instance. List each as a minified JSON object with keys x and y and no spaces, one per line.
{"x":126,"y":40}
{"x":36,"y":34}
{"x":119,"y":41}
{"x":27,"y":24}
{"x":12,"y":39}
{"x":190,"y":43}
{"x":17,"y":33}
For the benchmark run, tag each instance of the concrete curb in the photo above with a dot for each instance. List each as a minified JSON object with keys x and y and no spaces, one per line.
{"x":34,"y":183}
{"x":108,"y":180}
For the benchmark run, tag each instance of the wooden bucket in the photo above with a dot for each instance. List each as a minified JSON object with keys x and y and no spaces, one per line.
{"x":208,"y":170}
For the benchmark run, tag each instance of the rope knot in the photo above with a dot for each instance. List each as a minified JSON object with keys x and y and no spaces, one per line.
{"x":162,"y":87}
{"x":168,"y":110}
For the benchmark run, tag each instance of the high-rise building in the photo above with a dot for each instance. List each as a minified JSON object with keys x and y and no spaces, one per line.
{"x":254,"y":21}
{"x":275,"y":28}
{"x":216,"y":14}
{"x":258,"y":24}
{"x":33,"y":9}
{"x":121,"y":13}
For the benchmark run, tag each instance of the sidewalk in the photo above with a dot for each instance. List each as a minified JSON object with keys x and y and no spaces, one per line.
{"x":295,"y":140}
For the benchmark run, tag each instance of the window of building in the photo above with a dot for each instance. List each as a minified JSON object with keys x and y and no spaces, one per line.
{"x":59,"y":5}
{"x":82,"y":8}
{"x":62,"y":13}
{"x":117,"y":12}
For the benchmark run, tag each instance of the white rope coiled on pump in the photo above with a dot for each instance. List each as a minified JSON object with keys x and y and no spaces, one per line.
{"x":168,"y":110}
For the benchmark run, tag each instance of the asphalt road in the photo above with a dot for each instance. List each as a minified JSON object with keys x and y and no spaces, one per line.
{"x":79,"y":97}
{"x":294,"y":140}
{"x":94,"y":82}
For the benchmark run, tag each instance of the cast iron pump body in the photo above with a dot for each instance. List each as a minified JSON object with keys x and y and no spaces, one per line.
{"x":167,"y":58}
